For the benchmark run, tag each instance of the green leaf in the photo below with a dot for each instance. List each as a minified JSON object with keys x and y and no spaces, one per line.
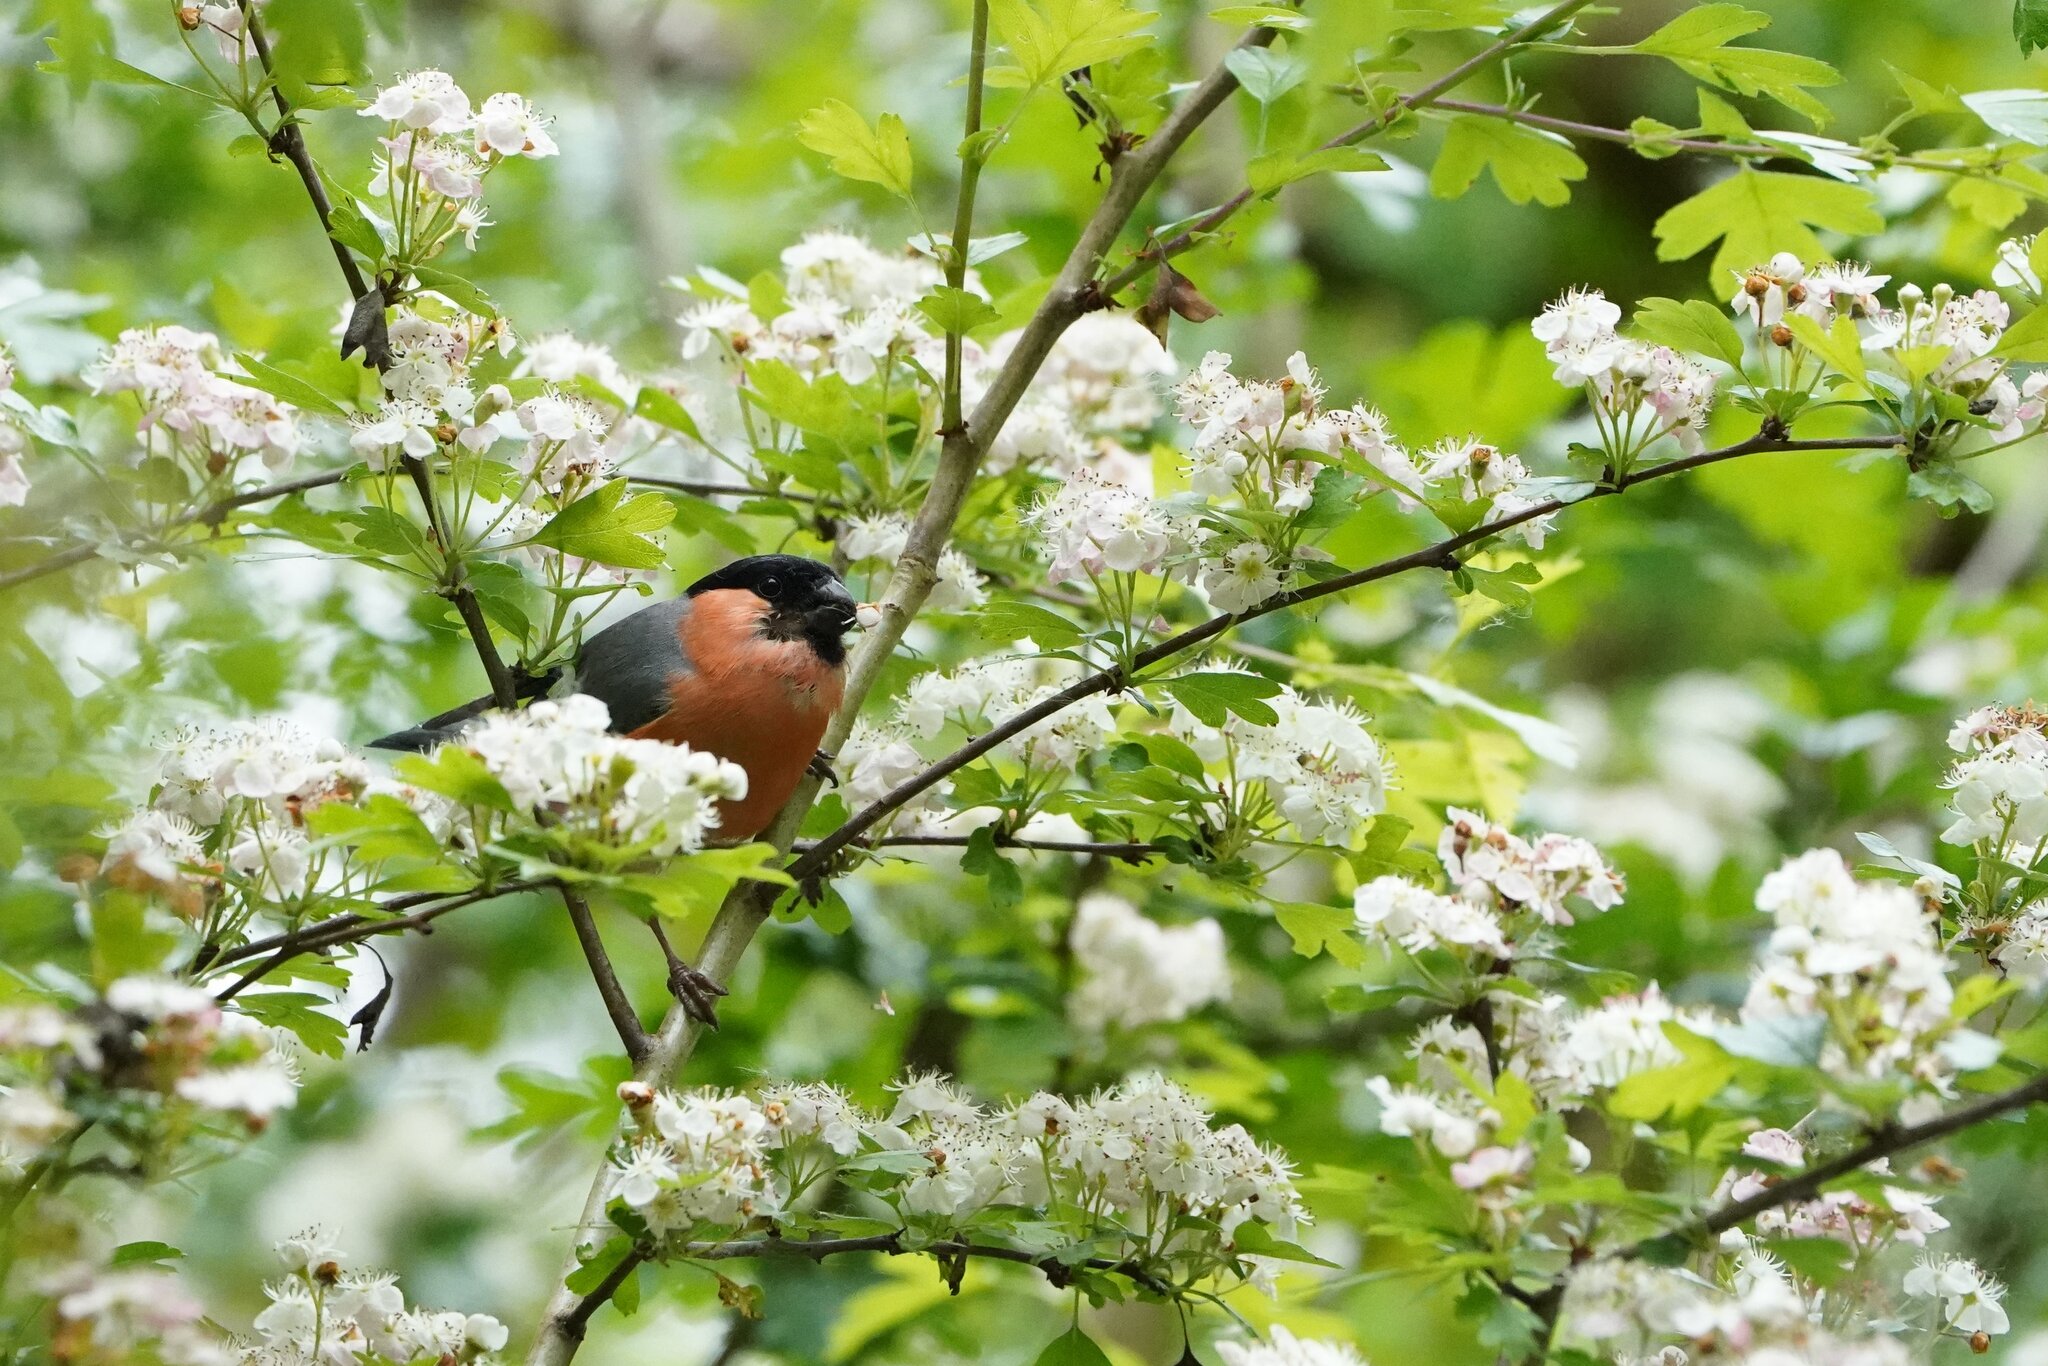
{"x":825,"y":408}
{"x":607,"y":527}
{"x":2030,"y":25}
{"x":1072,"y":1348}
{"x":355,"y":232}
{"x":1317,"y":929}
{"x":141,"y":1254}
{"x":465,"y":294}
{"x":1266,"y":75}
{"x":454,"y":772}
{"x":693,"y":886}
{"x":957,"y":310}
{"x":1209,"y":696}
{"x":1839,"y":346}
{"x":1256,"y":1240}
{"x":314,"y":43}
{"x":271,"y":380}
{"x":1054,"y":37}
{"x":1680,"y":1088}
{"x":2027,"y":339}
{"x":1698,"y":42}
{"x":983,"y":859}
{"x":1261,"y":16}
{"x":1277,"y":169}
{"x":602,"y":1263}
{"x":1695,"y":326}
{"x":1527,"y":163}
{"x":1949,"y":489}
{"x":298,"y":1013}
{"x":879,"y":155}
{"x":1006,"y":620}
{"x":1755,"y":214}
{"x":660,"y":406}
{"x":382,"y":827}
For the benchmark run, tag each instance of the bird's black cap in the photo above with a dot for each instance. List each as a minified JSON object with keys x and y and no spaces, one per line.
{"x":808,"y":597}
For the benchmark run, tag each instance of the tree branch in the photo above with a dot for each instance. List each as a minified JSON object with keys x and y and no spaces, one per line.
{"x":1884,"y":1143}
{"x":818,"y":1249}
{"x":616,"y":1003}
{"x":1074,"y":293}
{"x":289,"y":141}
{"x":347,"y":929}
{"x":213,"y":513}
{"x":1437,"y":556}
{"x":1216,"y":217}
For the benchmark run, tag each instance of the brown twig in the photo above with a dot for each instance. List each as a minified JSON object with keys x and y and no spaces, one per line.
{"x":616,"y":1003}
{"x":1440,"y":555}
{"x":213,"y":513}
{"x":1420,"y":99}
{"x":347,"y":929}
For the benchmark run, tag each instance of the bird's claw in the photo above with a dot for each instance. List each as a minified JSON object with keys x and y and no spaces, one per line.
{"x":821,"y":767}
{"x":695,"y":992}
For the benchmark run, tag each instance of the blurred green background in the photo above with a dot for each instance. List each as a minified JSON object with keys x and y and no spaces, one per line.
{"x":1751,"y":662}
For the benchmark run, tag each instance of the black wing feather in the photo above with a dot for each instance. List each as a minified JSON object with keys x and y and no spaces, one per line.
{"x":629,"y":666}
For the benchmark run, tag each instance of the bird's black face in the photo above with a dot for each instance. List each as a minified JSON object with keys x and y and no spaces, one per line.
{"x":806,"y":600}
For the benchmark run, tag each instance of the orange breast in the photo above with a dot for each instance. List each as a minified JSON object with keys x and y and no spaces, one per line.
{"x":762,"y":704}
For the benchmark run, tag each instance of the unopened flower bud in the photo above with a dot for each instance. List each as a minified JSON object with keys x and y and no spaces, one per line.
{"x":1980,"y":1342}
{"x":1795,"y":295}
{"x":1910,"y":296}
{"x":1781,"y":335}
{"x":1756,"y":286}
{"x":327,"y":1273}
{"x":636,"y":1095}
{"x":188,"y":17}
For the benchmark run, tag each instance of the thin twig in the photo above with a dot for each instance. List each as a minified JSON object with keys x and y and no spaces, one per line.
{"x":1441,"y":555}
{"x":818,"y":1249}
{"x":704,"y":490}
{"x":1073,"y":294}
{"x":1420,"y":99}
{"x":212,"y":514}
{"x":616,"y":1003}
{"x":347,"y":929}
{"x":292,"y":143}
{"x":1884,"y":1143}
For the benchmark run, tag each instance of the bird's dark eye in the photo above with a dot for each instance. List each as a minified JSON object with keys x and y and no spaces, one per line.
{"x":771,"y":588}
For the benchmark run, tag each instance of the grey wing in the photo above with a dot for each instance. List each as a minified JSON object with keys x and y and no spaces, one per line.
{"x":631,"y":665}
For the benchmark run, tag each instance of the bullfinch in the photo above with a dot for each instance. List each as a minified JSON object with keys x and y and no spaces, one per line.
{"x":749,"y":664}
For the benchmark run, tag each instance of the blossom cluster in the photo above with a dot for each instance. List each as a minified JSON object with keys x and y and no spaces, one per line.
{"x":1941,"y":340}
{"x":1139,"y":1167}
{"x":235,"y":799}
{"x":560,"y":763}
{"x":1999,"y":801}
{"x":196,"y":410}
{"x":128,"y":1314}
{"x":1639,"y":393}
{"x":879,"y":539}
{"x":1862,"y":962}
{"x":323,"y":1313}
{"x":1503,"y":888}
{"x":1282,"y":1348}
{"x":160,"y":1053}
{"x":437,"y":151}
{"x":1316,"y":769}
{"x":1137,"y":972}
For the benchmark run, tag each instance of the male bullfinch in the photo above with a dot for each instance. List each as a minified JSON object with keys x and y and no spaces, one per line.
{"x":749,"y":664}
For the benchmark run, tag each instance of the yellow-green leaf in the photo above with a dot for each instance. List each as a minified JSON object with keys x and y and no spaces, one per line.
{"x":1754,"y":214}
{"x":1053,"y":37}
{"x":1527,"y":163}
{"x":879,"y":155}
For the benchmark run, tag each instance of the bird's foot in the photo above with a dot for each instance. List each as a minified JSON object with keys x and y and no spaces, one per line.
{"x":821,"y":767}
{"x":697,"y":993}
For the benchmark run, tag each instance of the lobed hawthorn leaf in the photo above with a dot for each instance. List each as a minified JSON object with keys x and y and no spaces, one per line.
{"x":1699,"y":42}
{"x":608,"y":528}
{"x":879,"y":155}
{"x":1264,"y":74}
{"x":1527,"y":163}
{"x":1072,"y":1348}
{"x":1009,"y":621}
{"x":1754,"y":214}
{"x":1693,"y":325}
{"x":954,"y":310}
{"x":2030,"y":25}
{"x":1053,"y":37}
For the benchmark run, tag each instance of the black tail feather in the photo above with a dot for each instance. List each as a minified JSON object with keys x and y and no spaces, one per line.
{"x":436,"y":729}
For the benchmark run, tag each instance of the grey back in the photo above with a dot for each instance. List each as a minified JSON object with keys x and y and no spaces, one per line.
{"x":631,"y":665}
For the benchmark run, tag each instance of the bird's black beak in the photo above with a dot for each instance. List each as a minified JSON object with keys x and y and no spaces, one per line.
{"x":833,"y":609}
